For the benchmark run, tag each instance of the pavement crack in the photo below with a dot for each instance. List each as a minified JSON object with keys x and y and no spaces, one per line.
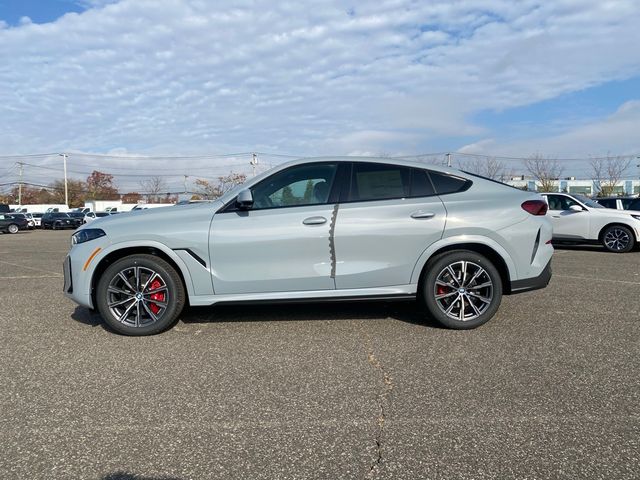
{"x":383,"y":402}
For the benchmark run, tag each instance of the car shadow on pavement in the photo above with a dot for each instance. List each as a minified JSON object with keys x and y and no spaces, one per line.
{"x":581,"y":248}
{"x":405,"y":311}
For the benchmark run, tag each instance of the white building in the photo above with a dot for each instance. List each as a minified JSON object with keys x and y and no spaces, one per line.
{"x":572,"y":185}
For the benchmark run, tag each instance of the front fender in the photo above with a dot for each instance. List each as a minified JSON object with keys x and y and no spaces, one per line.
{"x":114,"y":247}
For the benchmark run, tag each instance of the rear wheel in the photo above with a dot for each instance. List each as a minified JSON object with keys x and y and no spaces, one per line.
{"x":140,"y":295}
{"x":462,"y":289}
{"x":13,"y":228}
{"x":618,"y":239}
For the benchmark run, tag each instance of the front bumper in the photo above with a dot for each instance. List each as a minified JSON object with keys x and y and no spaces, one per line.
{"x":534,"y":283}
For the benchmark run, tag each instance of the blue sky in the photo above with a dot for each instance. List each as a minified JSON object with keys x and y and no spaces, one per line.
{"x":39,"y":11}
{"x":392,"y":77}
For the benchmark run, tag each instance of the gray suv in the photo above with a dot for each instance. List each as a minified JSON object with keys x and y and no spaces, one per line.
{"x":319,"y":229}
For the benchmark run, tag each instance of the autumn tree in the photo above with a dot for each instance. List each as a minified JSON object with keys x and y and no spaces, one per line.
{"x":77,"y":192}
{"x":131,"y":197}
{"x":100,"y":186}
{"x":545,"y":170}
{"x":153,"y":188}
{"x":211,"y":191}
{"x":607,"y":173}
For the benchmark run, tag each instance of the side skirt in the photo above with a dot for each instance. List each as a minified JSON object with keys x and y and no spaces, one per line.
{"x":401,"y":292}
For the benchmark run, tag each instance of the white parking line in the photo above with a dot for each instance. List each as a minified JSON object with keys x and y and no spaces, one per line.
{"x":32,"y":268}
{"x":592,"y":279}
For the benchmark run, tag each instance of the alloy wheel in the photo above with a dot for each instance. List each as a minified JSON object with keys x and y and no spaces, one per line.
{"x":463,"y":290}
{"x":617,"y":239}
{"x":137,"y":296}
{"x":13,"y":228}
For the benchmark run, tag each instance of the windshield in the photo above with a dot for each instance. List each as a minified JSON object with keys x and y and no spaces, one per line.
{"x":587,"y":201}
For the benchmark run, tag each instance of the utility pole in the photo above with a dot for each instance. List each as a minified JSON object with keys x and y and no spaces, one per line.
{"x":448,"y":159}
{"x":254,"y":163}
{"x":66,"y":191}
{"x":20,"y":164}
{"x":185,"y":185}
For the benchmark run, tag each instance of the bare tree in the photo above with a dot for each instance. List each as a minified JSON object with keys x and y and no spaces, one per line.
{"x":607,"y":173}
{"x":153,"y":187}
{"x":489,"y":167}
{"x":546,"y":171}
{"x":210,"y":191}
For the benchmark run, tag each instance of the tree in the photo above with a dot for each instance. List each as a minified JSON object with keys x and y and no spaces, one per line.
{"x":131,"y":197}
{"x":607,"y":173}
{"x":77,"y":191}
{"x":489,"y":167}
{"x":100,"y":186}
{"x":546,"y":171}
{"x":154,"y":187}
{"x":225,"y":183}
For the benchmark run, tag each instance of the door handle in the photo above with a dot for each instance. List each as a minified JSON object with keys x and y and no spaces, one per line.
{"x":422,"y":215}
{"x":314,"y":221}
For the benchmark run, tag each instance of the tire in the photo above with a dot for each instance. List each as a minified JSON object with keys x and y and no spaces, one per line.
{"x":125,"y":306}
{"x":618,"y":239}
{"x":13,"y":228}
{"x":481,"y":290}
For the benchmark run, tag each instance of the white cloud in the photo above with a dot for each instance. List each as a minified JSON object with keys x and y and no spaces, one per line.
{"x":192,"y":76}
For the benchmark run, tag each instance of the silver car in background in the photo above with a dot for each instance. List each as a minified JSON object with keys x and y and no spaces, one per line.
{"x":319,"y":229}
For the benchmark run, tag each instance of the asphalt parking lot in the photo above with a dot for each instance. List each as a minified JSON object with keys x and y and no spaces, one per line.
{"x":548,"y":389}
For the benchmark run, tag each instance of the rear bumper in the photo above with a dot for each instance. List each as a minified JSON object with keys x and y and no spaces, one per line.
{"x":534,"y":283}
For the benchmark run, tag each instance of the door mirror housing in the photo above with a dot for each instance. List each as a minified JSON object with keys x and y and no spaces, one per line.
{"x":244,"y":200}
{"x":576,"y":208}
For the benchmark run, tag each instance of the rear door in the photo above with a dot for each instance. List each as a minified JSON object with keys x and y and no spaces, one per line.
{"x":389,"y":217}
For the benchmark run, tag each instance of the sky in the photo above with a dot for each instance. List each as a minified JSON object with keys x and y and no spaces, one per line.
{"x":309,"y":78}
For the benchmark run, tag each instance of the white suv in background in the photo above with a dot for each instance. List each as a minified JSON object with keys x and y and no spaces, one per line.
{"x":578,"y":219}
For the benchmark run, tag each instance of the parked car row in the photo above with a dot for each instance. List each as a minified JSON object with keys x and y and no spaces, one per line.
{"x":13,"y":222}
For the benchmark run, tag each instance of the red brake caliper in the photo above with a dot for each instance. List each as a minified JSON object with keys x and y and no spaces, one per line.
{"x":159,"y":296}
{"x":441,"y":290}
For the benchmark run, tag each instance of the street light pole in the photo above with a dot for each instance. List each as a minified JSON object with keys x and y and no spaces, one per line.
{"x":66,"y":191}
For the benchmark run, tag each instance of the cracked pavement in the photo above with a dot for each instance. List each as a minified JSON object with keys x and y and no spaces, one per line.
{"x":548,"y":389}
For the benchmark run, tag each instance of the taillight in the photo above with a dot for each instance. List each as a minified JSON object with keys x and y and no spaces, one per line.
{"x":535,"y":207}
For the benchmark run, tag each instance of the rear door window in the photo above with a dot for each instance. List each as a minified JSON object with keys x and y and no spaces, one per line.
{"x":379,"y":181}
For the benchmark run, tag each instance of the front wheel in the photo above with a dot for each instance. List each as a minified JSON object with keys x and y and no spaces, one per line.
{"x":618,"y":239}
{"x":461,"y":289}
{"x":140,"y":295}
{"x":13,"y":228}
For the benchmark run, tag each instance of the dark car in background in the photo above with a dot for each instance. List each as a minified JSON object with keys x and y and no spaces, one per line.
{"x":12,"y":224}
{"x":28,"y":217}
{"x":620,"y":203}
{"x":59,"y":220}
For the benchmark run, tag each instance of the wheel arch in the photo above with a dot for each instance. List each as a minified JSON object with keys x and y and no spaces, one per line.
{"x":126,"y":251}
{"x":617,"y":224}
{"x":483,"y":249}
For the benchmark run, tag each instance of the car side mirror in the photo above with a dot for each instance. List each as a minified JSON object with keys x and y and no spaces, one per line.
{"x":576,"y":208}
{"x":244,"y":201}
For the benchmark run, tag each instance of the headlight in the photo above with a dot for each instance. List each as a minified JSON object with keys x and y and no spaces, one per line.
{"x":86,"y":234}
{"x":637,"y":217}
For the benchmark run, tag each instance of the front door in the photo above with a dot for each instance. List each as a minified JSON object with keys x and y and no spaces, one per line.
{"x":281,"y":244}
{"x":567,"y":224}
